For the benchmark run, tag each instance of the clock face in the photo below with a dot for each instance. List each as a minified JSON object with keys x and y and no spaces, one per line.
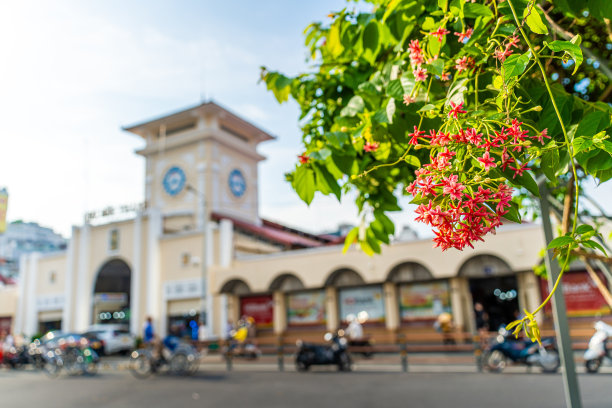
{"x":237,"y":183}
{"x":174,"y":180}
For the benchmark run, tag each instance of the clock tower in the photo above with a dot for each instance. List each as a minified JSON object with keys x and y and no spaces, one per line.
{"x":200,"y":157}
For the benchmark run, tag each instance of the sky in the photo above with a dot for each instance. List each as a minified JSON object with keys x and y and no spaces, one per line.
{"x":73,"y":73}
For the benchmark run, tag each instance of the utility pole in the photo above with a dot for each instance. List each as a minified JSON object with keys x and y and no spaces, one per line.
{"x":564,"y":342}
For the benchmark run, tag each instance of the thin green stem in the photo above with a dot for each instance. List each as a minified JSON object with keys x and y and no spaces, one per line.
{"x":567,"y":143}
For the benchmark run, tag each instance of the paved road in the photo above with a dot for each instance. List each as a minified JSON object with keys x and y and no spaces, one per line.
{"x":317,"y":389}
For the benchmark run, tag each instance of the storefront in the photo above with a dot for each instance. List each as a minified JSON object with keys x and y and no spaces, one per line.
{"x":260,"y":308}
{"x":423,"y":301}
{"x":357,"y":300}
{"x":306,"y":309}
{"x":582,"y":297}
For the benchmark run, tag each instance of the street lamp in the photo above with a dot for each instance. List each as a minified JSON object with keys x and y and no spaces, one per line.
{"x":204,"y":263}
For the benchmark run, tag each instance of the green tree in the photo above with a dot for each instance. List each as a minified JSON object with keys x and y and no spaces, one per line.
{"x":457,"y":104}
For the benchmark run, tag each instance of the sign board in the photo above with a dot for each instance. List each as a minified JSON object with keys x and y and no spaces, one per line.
{"x":260,"y":308}
{"x":306,"y":308}
{"x":368,"y":298}
{"x":582,"y":297}
{"x":115,"y":298}
{"x":3,"y":208}
{"x":424,"y":300}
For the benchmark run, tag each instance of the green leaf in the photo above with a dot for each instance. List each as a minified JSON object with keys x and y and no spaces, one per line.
{"x":304,"y":183}
{"x":513,"y":213}
{"x":594,"y":245}
{"x":583,"y":229}
{"x":436,"y":67}
{"x":333,"y":44}
{"x":371,"y":41}
{"x":413,"y":161}
{"x":354,"y":106}
{"x":498,"y":82}
{"x":351,"y":237}
{"x":337,"y":139}
{"x":573,"y":50}
{"x":592,"y":123}
{"x":534,"y":21}
{"x":326,"y":180}
{"x":561,"y":242}
{"x":550,"y":164}
{"x":473,"y":10}
{"x":427,"y":108}
{"x":515,"y":65}
{"x":581,"y":144}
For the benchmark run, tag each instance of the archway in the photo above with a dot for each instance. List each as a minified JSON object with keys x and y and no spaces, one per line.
{"x":285,"y":283}
{"x":235,"y":287}
{"x":112,"y":293}
{"x":493,"y":285}
{"x":409,"y":272}
{"x":344,"y":277}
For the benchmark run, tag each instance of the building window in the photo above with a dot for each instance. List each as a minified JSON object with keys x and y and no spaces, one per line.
{"x":113,"y":240}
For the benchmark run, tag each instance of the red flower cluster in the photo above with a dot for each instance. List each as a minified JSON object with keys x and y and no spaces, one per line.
{"x":303,"y":158}
{"x":459,"y":201}
{"x":439,"y":33}
{"x":416,"y":53}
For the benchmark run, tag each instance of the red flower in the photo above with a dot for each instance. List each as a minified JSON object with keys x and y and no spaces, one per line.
{"x":415,"y":135}
{"x":512,"y":41}
{"x":445,"y":76}
{"x":420,"y":74}
{"x":465,"y":35}
{"x":439,"y":33}
{"x":463,"y":64}
{"x":487,"y":161}
{"x":455,"y":110}
{"x":303,"y":158}
{"x":541,"y":136}
{"x":408,"y":100}
{"x":502,"y":54}
{"x":518,"y":171}
{"x":371,"y":146}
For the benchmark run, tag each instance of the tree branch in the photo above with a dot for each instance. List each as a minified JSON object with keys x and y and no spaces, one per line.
{"x":603,"y":65}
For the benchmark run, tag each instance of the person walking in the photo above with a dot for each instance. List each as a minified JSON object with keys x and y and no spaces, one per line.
{"x":149,"y":331}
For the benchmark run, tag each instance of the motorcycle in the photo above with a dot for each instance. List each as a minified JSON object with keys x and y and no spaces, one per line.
{"x":597,"y":350}
{"x":239,"y":346}
{"x":16,"y":357}
{"x":335,"y":353}
{"x":520,"y":351}
{"x":183,"y":360}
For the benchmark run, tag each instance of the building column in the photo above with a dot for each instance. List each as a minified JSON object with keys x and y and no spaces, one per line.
{"x":83,"y":305}
{"x":31,"y":326}
{"x":226,"y":243}
{"x":392,"y":319}
{"x":530,"y":290}
{"x":136,"y":319}
{"x":233,"y":308}
{"x":331,"y":308}
{"x":210,"y":304}
{"x":224,"y":316}
{"x":153,"y":304}
{"x":68,"y":312}
{"x":280,"y":313}
{"x":22,"y":301}
{"x":457,"y":307}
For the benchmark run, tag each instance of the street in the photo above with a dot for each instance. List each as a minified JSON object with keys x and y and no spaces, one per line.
{"x":321,"y":388}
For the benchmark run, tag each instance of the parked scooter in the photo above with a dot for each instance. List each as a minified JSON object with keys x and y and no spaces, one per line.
{"x":594,"y":355}
{"x":520,"y":351}
{"x":335,"y":353}
{"x":182,"y":359}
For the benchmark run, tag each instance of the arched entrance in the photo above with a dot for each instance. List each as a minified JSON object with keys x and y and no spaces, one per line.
{"x":112,"y":293}
{"x":494,"y":285}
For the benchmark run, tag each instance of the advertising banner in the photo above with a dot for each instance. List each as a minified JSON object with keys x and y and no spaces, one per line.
{"x":582,"y":297}
{"x":260,"y":308}
{"x":3,"y":208}
{"x":424,"y":300}
{"x":306,"y":308}
{"x":369,"y":299}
